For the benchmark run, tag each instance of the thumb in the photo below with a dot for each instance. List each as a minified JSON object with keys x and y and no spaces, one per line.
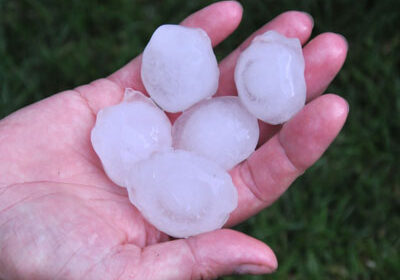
{"x":205,"y":256}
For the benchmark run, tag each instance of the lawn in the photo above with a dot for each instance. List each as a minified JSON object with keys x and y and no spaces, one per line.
{"x":341,"y":219}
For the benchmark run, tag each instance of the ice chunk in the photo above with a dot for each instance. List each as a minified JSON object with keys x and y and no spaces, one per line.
{"x":269,"y":77}
{"x":220,"y":129}
{"x":181,"y":193}
{"x":179,"y":67}
{"x":129,"y":132}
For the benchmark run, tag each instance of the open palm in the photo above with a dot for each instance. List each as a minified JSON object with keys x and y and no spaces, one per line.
{"x":62,"y":218}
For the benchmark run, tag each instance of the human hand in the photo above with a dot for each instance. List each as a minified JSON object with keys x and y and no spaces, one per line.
{"x":62,"y":218}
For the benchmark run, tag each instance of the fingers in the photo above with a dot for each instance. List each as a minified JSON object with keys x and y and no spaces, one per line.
{"x":206,"y":256}
{"x":324,"y":57}
{"x":266,"y":175}
{"x":290,"y":24}
{"x":218,"y":20}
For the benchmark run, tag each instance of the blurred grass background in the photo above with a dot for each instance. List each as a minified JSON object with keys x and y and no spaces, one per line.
{"x":341,"y":220}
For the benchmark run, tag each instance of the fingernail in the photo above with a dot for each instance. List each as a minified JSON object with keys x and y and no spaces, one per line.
{"x":253,"y":269}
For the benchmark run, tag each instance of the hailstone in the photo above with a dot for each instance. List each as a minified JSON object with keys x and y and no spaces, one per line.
{"x":269,"y":77}
{"x":179,"y":67}
{"x":129,"y":132}
{"x":181,"y":193}
{"x":220,"y":129}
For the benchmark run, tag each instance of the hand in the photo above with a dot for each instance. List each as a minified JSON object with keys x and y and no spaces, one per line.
{"x":62,"y":218}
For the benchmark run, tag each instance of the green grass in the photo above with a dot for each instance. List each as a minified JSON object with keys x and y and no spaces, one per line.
{"x":341,"y":220}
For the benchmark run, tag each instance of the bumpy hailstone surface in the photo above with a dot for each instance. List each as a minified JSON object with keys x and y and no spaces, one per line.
{"x":179,"y":67}
{"x":269,"y":76}
{"x":129,"y":132}
{"x":220,"y":129}
{"x":181,"y":193}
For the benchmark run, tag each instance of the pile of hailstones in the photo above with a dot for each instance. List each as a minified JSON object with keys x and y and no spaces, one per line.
{"x":176,"y":175}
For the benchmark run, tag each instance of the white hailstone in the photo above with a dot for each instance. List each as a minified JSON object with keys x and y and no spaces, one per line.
{"x":181,"y":193}
{"x":220,"y":129}
{"x":129,"y":132}
{"x":269,"y":77}
{"x":179,"y":67}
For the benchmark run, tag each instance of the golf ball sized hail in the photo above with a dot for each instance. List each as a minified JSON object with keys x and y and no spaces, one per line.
{"x":181,"y":193}
{"x":269,"y":77}
{"x":129,"y":132}
{"x":220,"y":129}
{"x":179,"y":67}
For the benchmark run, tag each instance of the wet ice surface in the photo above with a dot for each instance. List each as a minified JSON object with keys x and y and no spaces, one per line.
{"x":179,"y":67}
{"x":181,"y":193}
{"x":220,"y":129}
{"x":129,"y":132}
{"x":269,"y":76}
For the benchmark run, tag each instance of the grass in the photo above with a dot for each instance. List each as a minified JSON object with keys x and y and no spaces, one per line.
{"x":341,"y":219}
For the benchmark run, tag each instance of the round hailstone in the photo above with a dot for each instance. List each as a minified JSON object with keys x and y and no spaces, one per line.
{"x":129,"y":132}
{"x":220,"y":129}
{"x":181,"y":193}
{"x":179,"y":67}
{"x":269,"y":77}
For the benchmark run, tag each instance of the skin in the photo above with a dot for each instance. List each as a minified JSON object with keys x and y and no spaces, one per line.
{"x":62,"y":218}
